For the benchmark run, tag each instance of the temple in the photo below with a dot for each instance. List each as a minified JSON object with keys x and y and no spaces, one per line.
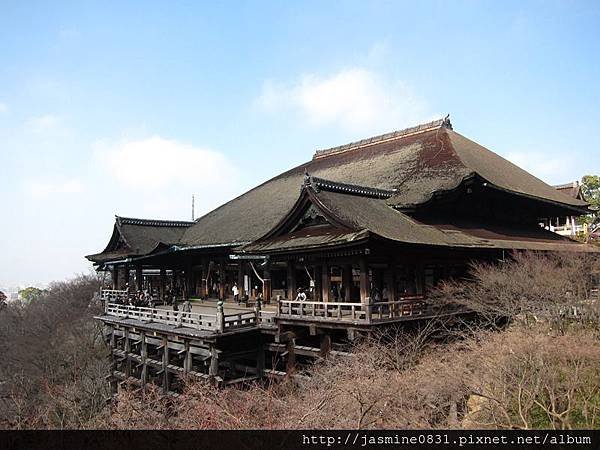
{"x":353,"y":239}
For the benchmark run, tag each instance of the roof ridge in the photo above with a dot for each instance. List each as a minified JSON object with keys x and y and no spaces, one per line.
{"x":417,"y":129}
{"x":319,"y":184}
{"x":153,"y":222}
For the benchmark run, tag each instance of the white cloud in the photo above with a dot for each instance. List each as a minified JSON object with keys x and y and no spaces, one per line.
{"x":156,"y":162}
{"x":3,"y":108}
{"x":353,"y":99}
{"x":550,"y":168}
{"x":46,"y":124}
{"x":46,"y":188}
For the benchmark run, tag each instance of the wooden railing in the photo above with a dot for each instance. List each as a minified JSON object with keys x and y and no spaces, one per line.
{"x":352,"y":312}
{"x":210,"y":322}
{"x":267,"y":318}
{"x":113,"y":295}
{"x":177,"y":318}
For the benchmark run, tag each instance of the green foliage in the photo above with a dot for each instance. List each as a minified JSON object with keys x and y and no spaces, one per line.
{"x":590,"y":188}
{"x":30,"y":294}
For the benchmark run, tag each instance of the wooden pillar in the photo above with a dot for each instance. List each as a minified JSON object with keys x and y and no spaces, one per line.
{"x":347,"y":281}
{"x":325,"y":345}
{"x":325,"y":286}
{"x":125,"y":276}
{"x":115,"y":277}
{"x":127,"y":349}
{"x":204,"y":285}
{"x":364,"y":280}
{"x":267,"y":285}
{"x":214,"y":362}
{"x":318,"y":296}
{"x":390,"y":282}
{"x":165,"y":365}
{"x":138,"y":278}
{"x":221,"y":281}
{"x":291,"y":356}
{"x":187,"y":361}
{"x":260,"y":360}
{"x":187,"y":289}
{"x":163,"y":283}
{"x":144,"y":356}
{"x":291,"y":280}
{"x":240,"y":280}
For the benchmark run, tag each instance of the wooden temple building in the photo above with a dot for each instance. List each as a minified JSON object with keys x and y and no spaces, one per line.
{"x":353,"y":239}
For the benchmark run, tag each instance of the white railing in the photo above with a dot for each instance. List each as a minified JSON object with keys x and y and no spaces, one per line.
{"x":351,"y":312}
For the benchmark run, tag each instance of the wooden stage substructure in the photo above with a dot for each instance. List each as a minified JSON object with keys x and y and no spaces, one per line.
{"x":167,"y":348}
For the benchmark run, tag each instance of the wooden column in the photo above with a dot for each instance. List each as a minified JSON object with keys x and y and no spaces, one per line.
{"x":115,"y":277}
{"x":347,"y":281}
{"x":267,"y":284}
{"x":325,"y":286}
{"x":187,"y":361}
{"x":126,"y":276}
{"x":127,"y":349}
{"x":144,"y":355}
{"x":165,"y":365}
{"x":163,"y":283}
{"x":214,"y":362}
{"x":138,"y":278}
{"x":240,"y":280}
{"x":187,"y":289}
{"x":364,"y":280}
{"x":390,"y":282}
{"x":291,"y":280}
{"x":318,"y":282}
{"x":221,"y":282}
{"x":204,"y":286}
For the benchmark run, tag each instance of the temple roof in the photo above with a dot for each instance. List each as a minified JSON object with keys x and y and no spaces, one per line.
{"x":368,"y":184}
{"x":134,"y":237}
{"x":413,"y":164}
{"x":354,"y":216}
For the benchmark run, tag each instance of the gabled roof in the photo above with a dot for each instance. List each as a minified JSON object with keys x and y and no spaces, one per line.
{"x":571,"y":189}
{"x":355,"y":214}
{"x":416,"y":163}
{"x":133,"y":237}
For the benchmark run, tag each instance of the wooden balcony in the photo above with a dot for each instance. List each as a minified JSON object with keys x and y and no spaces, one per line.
{"x":354,"y":313}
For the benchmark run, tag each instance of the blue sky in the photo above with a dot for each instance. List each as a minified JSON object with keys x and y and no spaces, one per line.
{"x":130,"y":107}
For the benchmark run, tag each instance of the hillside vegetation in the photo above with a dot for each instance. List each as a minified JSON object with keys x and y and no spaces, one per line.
{"x":530,"y":359}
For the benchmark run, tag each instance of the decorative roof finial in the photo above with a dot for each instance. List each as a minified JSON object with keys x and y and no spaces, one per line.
{"x":446,"y":122}
{"x":307,"y":177}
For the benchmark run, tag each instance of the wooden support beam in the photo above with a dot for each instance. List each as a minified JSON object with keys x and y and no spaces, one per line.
{"x":221,"y":281}
{"x":139,"y":278}
{"x":291,"y":280}
{"x":291,"y":356}
{"x":267,"y":283}
{"x":127,"y":349}
{"x":163,"y":284}
{"x":325,"y":284}
{"x":347,"y":282}
{"x":165,"y":364}
{"x":115,"y":277}
{"x":213,"y":371}
{"x":325,"y":345}
{"x":144,"y":355}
